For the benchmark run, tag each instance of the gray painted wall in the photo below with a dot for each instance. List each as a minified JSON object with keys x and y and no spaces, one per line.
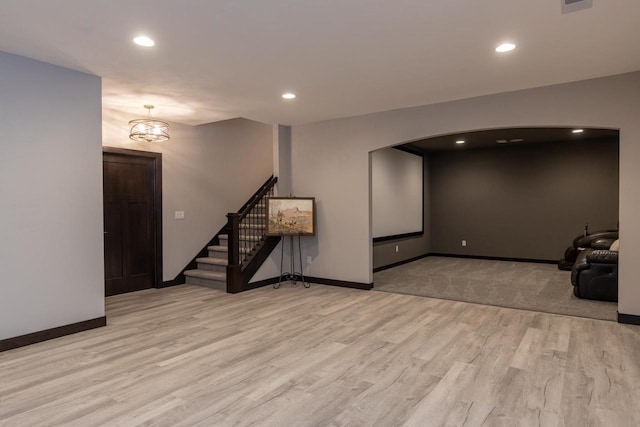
{"x":51,"y":256}
{"x":207,"y":171}
{"x":384,"y":253}
{"x":526,"y":201}
{"x":282,"y":158}
{"x":330,"y":160}
{"x":397,"y":192}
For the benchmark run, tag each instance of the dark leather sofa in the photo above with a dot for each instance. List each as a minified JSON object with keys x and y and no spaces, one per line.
{"x":584,"y":241}
{"x":594,"y":275}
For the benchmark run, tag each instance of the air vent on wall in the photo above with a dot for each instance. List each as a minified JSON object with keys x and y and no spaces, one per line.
{"x":569,"y":6}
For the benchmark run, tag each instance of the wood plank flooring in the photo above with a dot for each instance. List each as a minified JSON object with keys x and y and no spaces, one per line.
{"x":324,"y":356}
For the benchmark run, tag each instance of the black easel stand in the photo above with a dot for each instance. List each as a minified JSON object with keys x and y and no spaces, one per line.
{"x":293,"y":275}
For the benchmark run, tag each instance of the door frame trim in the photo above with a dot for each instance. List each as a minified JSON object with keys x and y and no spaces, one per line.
{"x":157,"y":202}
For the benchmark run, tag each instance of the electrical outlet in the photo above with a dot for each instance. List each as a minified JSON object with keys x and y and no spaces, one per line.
{"x":308,"y":260}
{"x":397,"y":248}
{"x":464,"y":243}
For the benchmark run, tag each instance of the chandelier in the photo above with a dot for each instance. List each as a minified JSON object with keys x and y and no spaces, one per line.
{"x":149,"y":130}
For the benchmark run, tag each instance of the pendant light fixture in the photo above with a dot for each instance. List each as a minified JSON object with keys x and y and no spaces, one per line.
{"x":149,"y":130}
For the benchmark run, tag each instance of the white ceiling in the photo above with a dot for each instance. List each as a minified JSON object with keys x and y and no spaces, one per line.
{"x":219,"y":59}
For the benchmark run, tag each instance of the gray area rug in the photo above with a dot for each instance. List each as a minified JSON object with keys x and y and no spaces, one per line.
{"x":522,"y":285}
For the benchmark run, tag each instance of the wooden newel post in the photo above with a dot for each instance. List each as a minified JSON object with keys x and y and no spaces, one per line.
{"x":234,"y":277}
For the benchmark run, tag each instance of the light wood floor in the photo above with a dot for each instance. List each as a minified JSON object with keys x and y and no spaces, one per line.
{"x":325,"y":356}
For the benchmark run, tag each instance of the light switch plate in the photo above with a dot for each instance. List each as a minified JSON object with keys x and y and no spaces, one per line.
{"x":179,"y":215}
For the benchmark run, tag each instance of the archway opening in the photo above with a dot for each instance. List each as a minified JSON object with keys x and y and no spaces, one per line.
{"x":500,"y":210}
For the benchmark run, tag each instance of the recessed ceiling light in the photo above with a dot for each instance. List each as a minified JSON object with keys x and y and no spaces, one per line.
{"x":516,"y":140}
{"x":577,"y":131}
{"x":460,"y":141}
{"x":501,"y":141}
{"x":288,"y":95}
{"x":505,"y":47}
{"x":144,"y":41}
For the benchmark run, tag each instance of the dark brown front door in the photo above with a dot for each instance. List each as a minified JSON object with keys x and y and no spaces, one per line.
{"x":129,"y":223}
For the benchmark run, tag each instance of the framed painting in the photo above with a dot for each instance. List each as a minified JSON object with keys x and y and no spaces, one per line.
{"x":291,"y":216}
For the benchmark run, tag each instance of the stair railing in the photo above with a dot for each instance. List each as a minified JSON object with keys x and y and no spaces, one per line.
{"x":246,"y":232}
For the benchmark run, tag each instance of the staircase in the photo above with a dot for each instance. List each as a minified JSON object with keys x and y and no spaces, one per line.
{"x":212,"y":270}
{"x":248,"y":226}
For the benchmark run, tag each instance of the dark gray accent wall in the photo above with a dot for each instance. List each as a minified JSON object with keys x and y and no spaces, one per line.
{"x":384,"y":253}
{"x":526,"y":201}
